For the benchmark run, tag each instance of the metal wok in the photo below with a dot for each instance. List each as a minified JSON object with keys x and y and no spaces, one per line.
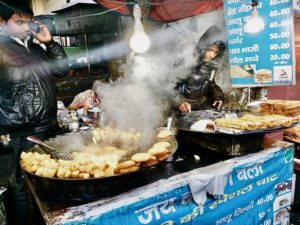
{"x":84,"y":190}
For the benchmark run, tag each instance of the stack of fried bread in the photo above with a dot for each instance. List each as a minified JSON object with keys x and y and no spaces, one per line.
{"x":268,"y":121}
{"x":252,"y":122}
{"x":280,"y":107}
{"x":287,"y":108}
{"x":158,"y":152}
{"x":267,"y":107}
{"x":292,"y":134}
{"x":236,"y":124}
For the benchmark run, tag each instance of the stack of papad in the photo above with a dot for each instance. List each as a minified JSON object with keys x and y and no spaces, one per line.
{"x":280,"y":107}
{"x":267,"y":107}
{"x":287,"y":108}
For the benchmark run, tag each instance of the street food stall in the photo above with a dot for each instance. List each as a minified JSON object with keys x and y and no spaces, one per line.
{"x":199,"y":180}
{"x":187,"y":190}
{"x":115,"y":161}
{"x":220,"y":168}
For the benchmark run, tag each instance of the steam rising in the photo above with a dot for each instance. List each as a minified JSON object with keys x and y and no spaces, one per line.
{"x":142,"y":99}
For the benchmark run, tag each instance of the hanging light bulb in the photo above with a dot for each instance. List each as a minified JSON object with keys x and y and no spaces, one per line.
{"x":255,"y":23}
{"x":139,"y":42}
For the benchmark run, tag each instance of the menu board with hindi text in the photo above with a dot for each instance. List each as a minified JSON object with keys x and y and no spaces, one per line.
{"x":265,"y":58}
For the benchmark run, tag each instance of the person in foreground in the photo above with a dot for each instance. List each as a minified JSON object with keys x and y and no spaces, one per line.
{"x":27,"y":93}
{"x":199,"y":90}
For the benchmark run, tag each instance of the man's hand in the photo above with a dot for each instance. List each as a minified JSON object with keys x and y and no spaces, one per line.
{"x":44,"y":35}
{"x":185,"y":107}
{"x":218,"y":104}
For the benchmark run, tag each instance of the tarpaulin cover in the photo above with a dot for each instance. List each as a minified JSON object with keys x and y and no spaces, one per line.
{"x":168,"y":10}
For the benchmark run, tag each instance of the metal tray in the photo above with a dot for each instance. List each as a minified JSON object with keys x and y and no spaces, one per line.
{"x":184,"y":122}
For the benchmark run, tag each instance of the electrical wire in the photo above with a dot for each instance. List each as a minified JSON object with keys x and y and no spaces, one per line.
{"x":95,"y":14}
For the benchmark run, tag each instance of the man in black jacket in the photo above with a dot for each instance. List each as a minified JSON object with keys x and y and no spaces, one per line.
{"x":27,"y":93}
{"x":199,"y":90}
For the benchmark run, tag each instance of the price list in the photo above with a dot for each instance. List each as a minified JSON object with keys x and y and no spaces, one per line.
{"x":265,"y":57}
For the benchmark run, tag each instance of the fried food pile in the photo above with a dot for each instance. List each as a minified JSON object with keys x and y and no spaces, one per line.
{"x":128,"y":139}
{"x":280,"y":107}
{"x":84,"y":165}
{"x":98,"y":160}
{"x":252,"y":122}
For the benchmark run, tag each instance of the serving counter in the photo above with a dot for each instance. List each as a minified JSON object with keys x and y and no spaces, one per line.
{"x":206,"y":189}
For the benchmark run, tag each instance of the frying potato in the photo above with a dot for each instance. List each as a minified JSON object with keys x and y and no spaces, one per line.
{"x":97,"y":173}
{"x":109,"y":171}
{"x":75,"y":173}
{"x":61,"y":172}
{"x":68,"y":174}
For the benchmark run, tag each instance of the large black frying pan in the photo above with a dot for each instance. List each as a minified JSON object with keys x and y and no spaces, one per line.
{"x":84,"y":190}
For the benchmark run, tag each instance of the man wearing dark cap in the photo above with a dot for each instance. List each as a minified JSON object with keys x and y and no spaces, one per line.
{"x":199,"y":90}
{"x":27,"y":93}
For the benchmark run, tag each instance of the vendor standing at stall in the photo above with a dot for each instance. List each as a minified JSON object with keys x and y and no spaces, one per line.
{"x":27,"y":93}
{"x":199,"y":90}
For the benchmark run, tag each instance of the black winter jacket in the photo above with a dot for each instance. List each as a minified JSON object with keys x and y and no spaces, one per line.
{"x":198,"y":88}
{"x":27,"y":92}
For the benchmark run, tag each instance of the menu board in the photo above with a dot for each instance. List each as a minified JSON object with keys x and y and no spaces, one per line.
{"x":264,"y":58}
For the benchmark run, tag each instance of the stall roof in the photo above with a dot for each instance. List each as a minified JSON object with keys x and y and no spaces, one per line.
{"x":167,"y":10}
{"x":73,"y":3}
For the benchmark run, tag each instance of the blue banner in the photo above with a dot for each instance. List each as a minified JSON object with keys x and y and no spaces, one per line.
{"x":266,"y":57}
{"x":255,"y":193}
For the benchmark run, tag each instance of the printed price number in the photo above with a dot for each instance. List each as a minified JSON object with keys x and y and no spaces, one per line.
{"x":283,"y":34}
{"x":280,"y":46}
{"x":261,"y":215}
{"x":281,"y":12}
{"x":267,"y":198}
{"x":276,"y":24}
{"x":277,"y":2}
{"x":280,"y":57}
{"x":266,"y":222}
